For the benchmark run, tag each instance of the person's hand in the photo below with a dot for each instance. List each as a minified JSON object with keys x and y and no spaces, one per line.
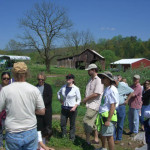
{"x":126,"y":103}
{"x":61,"y":101}
{"x":107,"y":123}
{"x":73,"y":108}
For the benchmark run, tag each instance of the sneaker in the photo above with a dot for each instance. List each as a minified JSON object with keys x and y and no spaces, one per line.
{"x":101,"y":148}
{"x":129,"y":133}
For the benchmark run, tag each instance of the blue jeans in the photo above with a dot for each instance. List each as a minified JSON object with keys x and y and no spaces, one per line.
{"x":121,"y":114}
{"x":142,"y":114}
{"x":26,"y":140}
{"x":134,"y":120}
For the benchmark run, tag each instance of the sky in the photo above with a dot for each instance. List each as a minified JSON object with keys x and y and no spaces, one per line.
{"x":103,"y":18}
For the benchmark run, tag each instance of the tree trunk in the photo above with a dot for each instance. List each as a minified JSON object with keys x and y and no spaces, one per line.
{"x":47,"y":63}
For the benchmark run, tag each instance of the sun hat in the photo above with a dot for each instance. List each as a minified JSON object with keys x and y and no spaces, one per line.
{"x":70,"y":76}
{"x":20,"y":67}
{"x":91,"y":66}
{"x":136,"y":76}
{"x":106,"y":74}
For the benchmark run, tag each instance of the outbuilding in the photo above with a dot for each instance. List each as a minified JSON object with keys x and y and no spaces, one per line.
{"x":82,"y":60}
{"x":133,"y":63}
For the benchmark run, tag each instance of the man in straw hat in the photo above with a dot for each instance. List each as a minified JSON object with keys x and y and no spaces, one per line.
{"x":93,"y":95}
{"x":21,"y":101}
{"x":109,"y":102}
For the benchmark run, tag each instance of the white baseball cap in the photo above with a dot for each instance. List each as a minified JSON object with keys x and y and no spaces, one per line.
{"x":91,"y":66}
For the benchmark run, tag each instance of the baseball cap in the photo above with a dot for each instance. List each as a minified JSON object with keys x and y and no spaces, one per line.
{"x":70,"y":76}
{"x":136,"y":76}
{"x":91,"y":66}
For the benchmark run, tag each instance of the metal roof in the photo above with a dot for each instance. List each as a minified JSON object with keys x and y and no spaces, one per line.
{"x":12,"y":57}
{"x":127,"y":61}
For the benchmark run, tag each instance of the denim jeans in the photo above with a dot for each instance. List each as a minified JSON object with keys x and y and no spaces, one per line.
{"x":121,"y":114}
{"x":65,"y":114}
{"x":142,"y":114}
{"x":26,"y":140}
{"x":134,"y":120}
{"x":1,"y":132}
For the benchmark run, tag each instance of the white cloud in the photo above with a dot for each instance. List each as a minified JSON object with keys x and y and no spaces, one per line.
{"x":107,"y":29}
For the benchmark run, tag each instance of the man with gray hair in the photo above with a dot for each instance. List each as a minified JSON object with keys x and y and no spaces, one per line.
{"x":123,"y":90}
{"x":21,"y":101}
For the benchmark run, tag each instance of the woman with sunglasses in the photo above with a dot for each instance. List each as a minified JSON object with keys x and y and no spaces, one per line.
{"x":5,"y":78}
{"x":69,"y":97}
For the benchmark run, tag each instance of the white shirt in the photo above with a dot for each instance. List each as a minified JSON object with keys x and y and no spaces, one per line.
{"x":20,"y":100}
{"x":72,"y":98}
{"x":109,"y":97}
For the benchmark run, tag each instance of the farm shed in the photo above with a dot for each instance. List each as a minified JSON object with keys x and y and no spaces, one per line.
{"x":133,"y":63}
{"x":82,"y":60}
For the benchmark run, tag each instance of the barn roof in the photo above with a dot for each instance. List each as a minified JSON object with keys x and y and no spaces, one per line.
{"x":127,"y":61}
{"x":83,"y":52}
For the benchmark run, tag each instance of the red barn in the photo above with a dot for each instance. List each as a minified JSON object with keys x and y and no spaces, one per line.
{"x":133,"y":63}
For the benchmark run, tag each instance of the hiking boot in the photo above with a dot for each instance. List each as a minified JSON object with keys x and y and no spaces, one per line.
{"x":129,"y":133}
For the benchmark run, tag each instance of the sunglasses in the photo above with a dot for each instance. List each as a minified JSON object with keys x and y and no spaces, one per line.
{"x":41,"y":79}
{"x":103,"y":77}
{"x":68,"y":78}
{"x":5,"y":78}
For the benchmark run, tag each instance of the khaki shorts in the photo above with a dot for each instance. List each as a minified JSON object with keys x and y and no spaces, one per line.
{"x":89,"y":120}
{"x":107,"y":130}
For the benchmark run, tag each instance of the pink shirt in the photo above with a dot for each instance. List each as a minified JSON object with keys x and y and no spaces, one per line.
{"x":94,"y":86}
{"x":136,"y":101}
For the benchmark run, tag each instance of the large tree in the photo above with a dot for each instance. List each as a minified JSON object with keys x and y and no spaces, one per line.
{"x":43,"y":25}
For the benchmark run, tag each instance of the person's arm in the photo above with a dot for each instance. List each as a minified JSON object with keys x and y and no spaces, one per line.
{"x":128,"y":98}
{"x":78,"y":95}
{"x":111,"y":112}
{"x":40,"y":111}
{"x":2,"y":100}
{"x":47,"y":94}
{"x":40,"y":107}
{"x":59,"y":94}
{"x":93,"y":96}
{"x":45,"y":147}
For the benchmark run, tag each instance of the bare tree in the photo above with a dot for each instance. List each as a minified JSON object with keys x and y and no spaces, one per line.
{"x":73,"y":39}
{"x":78,"y":40}
{"x":43,"y":25}
{"x":13,"y":45}
{"x":87,"y":39}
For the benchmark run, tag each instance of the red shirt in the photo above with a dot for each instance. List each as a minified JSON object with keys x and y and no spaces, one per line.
{"x":136,"y":101}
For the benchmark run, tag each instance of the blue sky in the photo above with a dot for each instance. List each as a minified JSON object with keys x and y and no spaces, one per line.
{"x":104,"y":18}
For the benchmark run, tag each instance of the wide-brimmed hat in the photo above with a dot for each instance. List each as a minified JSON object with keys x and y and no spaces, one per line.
{"x":70,"y":76}
{"x":91,"y":66}
{"x":106,"y":74}
{"x":20,"y":67}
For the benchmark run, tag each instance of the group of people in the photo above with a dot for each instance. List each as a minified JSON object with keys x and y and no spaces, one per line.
{"x":106,"y":97}
{"x":26,"y":109}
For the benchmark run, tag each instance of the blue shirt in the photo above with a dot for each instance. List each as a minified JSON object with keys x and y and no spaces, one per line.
{"x":123,"y":90}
